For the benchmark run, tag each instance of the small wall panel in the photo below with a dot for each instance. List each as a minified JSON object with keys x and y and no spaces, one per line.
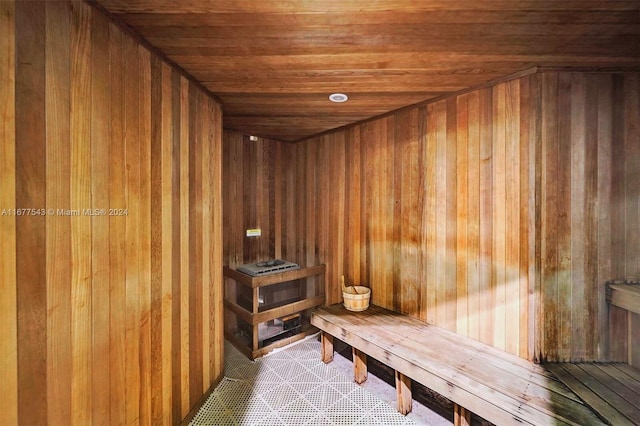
{"x":104,"y":330}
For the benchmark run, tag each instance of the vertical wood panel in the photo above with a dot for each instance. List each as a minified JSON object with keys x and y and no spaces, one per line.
{"x":535,"y":220}
{"x":8,"y":307}
{"x":603,"y":201}
{"x":398,"y":139}
{"x":430,"y":226}
{"x":277,"y":202}
{"x":132,"y":191}
{"x":289,"y":231}
{"x":176,"y":270}
{"x":81,"y":366}
{"x":422,"y":218}
{"x":310,"y":209}
{"x":514,"y":234}
{"x":216,"y":344}
{"x":441,"y":283}
{"x":145,"y":121}
{"x":500,"y":229}
{"x":338,"y":219}
{"x":326,"y":239}
{"x":408,"y":289}
{"x":563,"y":185}
{"x":450,"y":217}
{"x":526,"y":266}
{"x":299,"y":215}
{"x":30,"y":193}
{"x":58,"y":228}
{"x":184,"y":246}
{"x":590,"y":348}
{"x":577,"y":214}
{"x":353,"y":206}
{"x":463,"y":252}
{"x":168,"y":127}
{"x":117,"y":229}
{"x":486,"y":209}
{"x":159,"y":134}
{"x":195,"y":236}
{"x":206,"y":235}
{"x":473,"y":214}
{"x":100,"y":136}
{"x":549,"y":255}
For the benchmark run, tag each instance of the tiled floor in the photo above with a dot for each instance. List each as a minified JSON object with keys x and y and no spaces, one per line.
{"x":293,"y":387}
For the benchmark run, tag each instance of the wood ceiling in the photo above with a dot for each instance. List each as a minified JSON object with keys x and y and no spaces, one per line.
{"x":274,"y":63}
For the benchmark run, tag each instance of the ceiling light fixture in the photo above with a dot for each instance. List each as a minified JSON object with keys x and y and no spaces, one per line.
{"x":338,"y":97}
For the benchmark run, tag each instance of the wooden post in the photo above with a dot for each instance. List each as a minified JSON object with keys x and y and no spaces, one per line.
{"x":403,"y":393}
{"x":359,"y":366}
{"x":461,"y":416}
{"x":326,"y":341}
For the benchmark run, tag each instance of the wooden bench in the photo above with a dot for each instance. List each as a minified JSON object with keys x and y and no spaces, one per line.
{"x":625,"y":295}
{"x":500,"y":387}
{"x":624,"y":320}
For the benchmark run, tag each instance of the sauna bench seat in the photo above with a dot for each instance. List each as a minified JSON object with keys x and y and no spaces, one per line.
{"x":500,"y":387}
{"x":624,"y":295}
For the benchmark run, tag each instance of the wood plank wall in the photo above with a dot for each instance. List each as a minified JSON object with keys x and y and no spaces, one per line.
{"x":116,"y":317}
{"x":427,"y":208}
{"x":250,"y":172}
{"x":589,"y":220}
{"x":499,"y":213}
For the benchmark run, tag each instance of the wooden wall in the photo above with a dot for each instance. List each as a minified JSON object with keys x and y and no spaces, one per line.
{"x":111,"y":318}
{"x":430,"y":207}
{"x":250,"y":172}
{"x":499,"y":213}
{"x":589,"y":209}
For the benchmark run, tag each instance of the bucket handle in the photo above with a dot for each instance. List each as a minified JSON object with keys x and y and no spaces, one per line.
{"x":344,"y":288}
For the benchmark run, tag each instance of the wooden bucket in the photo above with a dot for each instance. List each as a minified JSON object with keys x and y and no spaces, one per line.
{"x":356,"y":298}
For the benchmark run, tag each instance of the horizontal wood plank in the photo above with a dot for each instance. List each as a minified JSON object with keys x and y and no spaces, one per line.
{"x":626,"y":296}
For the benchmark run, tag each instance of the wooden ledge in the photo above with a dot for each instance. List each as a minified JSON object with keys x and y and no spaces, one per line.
{"x":624,"y":295}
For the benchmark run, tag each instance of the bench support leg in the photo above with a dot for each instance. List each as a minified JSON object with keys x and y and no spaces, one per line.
{"x":461,"y":416}
{"x":403,"y":393}
{"x":359,"y":366}
{"x":326,"y":341}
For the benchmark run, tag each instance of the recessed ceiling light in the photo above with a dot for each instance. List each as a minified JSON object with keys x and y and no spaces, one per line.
{"x":253,"y":138}
{"x":338,"y":97}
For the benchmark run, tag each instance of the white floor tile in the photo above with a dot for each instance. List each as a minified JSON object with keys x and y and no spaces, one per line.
{"x":292,"y":387}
